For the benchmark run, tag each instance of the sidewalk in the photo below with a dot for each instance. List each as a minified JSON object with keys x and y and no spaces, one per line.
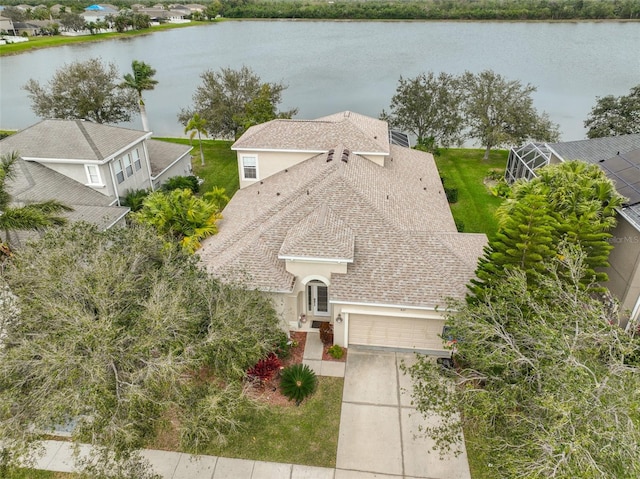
{"x":58,"y":455}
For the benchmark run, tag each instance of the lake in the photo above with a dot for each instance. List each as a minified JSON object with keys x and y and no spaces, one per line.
{"x":332,"y":66}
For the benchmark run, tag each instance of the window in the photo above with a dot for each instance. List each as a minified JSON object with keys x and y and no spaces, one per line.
{"x":119,"y":172}
{"x":136,"y":160}
{"x":250,"y":167}
{"x":128,"y":165}
{"x":93,"y":174}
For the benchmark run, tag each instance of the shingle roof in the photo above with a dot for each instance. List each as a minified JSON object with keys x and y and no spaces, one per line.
{"x":322,"y":234}
{"x":33,"y":182}
{"x":162,"y":154}
{"x":405,"y":246}
{"x":596,"y":149}
{"x":357,"y":132}
{"x":70,"y":140}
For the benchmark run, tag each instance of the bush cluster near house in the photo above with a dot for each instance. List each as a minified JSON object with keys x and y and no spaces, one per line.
{"x":112,"y":330}
{"x":540,"y":360}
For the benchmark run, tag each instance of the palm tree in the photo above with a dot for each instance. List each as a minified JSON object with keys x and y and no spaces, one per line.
{"x":32,"y":216}
{"x":197,"y":125}
{"x":142,"y":79}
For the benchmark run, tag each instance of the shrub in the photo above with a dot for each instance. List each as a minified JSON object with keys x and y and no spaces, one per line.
{"x":336,"y":351}
{"x":265,"y":369}
{"x":298,"y":382}
{"x":182,"y":183}
{"x":135,"y":199}
{"x":460,"y":226}
{"x":283,"y":346}
{"x":452,"y":195}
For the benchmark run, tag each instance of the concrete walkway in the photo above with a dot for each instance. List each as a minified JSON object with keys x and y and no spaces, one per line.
{"x":376,"y":438}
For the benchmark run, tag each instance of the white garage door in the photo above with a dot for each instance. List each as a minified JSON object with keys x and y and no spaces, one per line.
{"x":393,"y":332}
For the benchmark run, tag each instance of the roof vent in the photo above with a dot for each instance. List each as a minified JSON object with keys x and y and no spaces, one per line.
{"x":345,"y":155}
{"x":330,"y":155}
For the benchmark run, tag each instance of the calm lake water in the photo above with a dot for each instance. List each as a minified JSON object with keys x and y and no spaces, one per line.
{"x":335,"y":66}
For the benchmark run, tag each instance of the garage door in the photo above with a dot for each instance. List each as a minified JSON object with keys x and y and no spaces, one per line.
{"x":393,"y":332}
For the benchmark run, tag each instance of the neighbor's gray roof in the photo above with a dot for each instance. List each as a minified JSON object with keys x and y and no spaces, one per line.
{"x":162,"y":154}
{"x":33,"y":183}
{"x":405,"y":246}
{"x":357,"y":132}
{"x":596,"y":149}
{"x":71,"y":140}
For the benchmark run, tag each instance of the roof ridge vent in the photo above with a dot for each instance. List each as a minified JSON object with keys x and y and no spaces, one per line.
{"x":345,"y":155}
{"x":330,"y":155}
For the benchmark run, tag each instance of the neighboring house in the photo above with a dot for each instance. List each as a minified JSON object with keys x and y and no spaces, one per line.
{"x":98,"y":13}
{"x":6,"y":25}
{"x":162,"y":15}
{"x":32,"y":28}
{"x":338,"y":224}
{"x":90,"y":166}
{"x":619,"y":158}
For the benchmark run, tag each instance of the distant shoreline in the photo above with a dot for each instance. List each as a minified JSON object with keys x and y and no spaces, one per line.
{"x":40,"y":42}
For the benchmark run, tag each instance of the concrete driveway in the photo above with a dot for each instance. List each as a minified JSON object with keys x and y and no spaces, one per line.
{"x":378,"y":425}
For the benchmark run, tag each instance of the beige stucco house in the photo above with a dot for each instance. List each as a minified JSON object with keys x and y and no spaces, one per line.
{"x":90,"y":166}
{"x":619,"y":157}
{"x":338,"y":224}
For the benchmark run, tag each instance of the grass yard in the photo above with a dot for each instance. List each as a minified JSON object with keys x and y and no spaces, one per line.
{"x":36,"y":43}
{"x":307,"y":434}
{"x":37,"y":474}
{"x":465,"y":170}
{"x":221,"y":166}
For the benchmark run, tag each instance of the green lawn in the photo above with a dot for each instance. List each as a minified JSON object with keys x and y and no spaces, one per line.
{"x":465,"y":170}
{"x":221,"y":166}
{"x":36,"y":43}
{"x":307,"y":434}
{"x":37,"y":474}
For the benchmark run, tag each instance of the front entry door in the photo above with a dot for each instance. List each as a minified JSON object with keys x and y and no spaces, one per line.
{"x":318,"y":299}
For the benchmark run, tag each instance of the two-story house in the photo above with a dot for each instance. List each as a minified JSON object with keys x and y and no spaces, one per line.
{"x":338,"y":224}
{"x":89,"y":165}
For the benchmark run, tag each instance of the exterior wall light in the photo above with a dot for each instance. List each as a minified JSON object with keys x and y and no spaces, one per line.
{"x":339,"y":318}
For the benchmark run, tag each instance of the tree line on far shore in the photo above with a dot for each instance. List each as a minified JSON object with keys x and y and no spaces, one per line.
{"x":402,"y":10}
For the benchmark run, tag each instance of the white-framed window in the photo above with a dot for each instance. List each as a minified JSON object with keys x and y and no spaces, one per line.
{"x":136,"y":159}
{"x":117,"y":165}
{"x":128,"y":165}
{"x":250,"y":167}
{"x":93,"y":174}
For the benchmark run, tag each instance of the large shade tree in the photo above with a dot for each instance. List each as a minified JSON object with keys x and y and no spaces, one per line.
{"x":108,"y":331}
{"x":28,"y":217}
{"x":140,"y":80}
{"x":612,"y":116}
{"x":500,"y":112}
{"x":83,"y":90}
{"x":230,"y":100}
{"x":429,"y":107}
{"x":545,"y":380}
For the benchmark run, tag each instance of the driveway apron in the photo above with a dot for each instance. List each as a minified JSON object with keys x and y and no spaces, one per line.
{"x":379,"y":435}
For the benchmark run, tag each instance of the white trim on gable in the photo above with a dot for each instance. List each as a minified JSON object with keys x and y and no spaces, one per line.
{"x":308,"y":259}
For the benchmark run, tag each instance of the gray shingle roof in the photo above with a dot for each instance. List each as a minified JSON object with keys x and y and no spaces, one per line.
{"x":357,"y":132}
{"x":33,"y":182}
{"x":162,"y":154}
{"x":406,"y":249}
{"x":70,"y":140}
{"x":596,"y":149}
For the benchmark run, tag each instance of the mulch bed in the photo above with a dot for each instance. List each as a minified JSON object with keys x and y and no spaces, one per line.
{"x":269,"y":392}
{"x":327,"y":357}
